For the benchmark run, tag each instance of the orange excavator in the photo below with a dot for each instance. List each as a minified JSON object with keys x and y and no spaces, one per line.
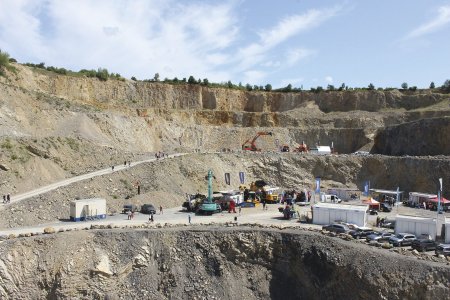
{"x":301,"y":148}
{"x":250,"y":143}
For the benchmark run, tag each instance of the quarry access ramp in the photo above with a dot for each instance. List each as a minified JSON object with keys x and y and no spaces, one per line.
{"x":53,"y":186}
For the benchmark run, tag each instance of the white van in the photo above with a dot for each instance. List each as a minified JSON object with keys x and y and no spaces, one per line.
{"x":330,"y":198}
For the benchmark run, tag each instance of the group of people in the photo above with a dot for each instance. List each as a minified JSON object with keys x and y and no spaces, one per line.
{"x":6,"y":199}
{"x":161,"y":154}
{"x":380,"y":221}
{"x":130,"y":215}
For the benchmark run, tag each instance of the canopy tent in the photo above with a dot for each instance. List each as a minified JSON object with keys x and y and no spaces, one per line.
{"x":443,"y":200}
{"x":372,"y":203}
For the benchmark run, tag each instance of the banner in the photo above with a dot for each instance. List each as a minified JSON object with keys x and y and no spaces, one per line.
{"x":242,"y":177}
{"x":227,"y":178}
{"x":366,"y":188}
{"x":398,"y":195}
{"x":318,"y":185}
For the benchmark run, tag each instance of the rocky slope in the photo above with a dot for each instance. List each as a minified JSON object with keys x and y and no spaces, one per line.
{"x":210,"y":263}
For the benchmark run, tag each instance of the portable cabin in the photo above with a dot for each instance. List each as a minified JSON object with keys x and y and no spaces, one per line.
{"x":320,"y":150}
{"x":327,"y":213}
{"x":86,"y":209}
{"x":416,"y":225}
{"x":386,"y":195}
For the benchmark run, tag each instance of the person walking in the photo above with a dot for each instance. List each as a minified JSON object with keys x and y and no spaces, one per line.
{"x":160,"y":210}
{"x":129,"y":215}
{"x":8,"y":198}
{"x":4,"y":198}
{"x":264,"y":204}
{"x":151,"y":218}
{"x":189,"y":218}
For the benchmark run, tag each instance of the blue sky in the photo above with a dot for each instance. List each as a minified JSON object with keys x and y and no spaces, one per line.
{"x":304,"y":43}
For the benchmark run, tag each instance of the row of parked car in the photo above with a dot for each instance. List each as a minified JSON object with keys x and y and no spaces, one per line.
{"x":420,"y":244}
{"x":144,"y":209}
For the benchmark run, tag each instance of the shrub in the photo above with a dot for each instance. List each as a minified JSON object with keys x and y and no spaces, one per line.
{"x":102,"y":74}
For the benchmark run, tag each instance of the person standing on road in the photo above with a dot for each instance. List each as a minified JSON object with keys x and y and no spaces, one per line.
{"x":189,"y":218}
{"x":8,"y":198}
{"x":129,"y":215}
{"x":112,"y":168}
{"x":4,"y":198}
{"x":264,"y":204}
{"x":151,"y":217}
{"x":160,"y":210}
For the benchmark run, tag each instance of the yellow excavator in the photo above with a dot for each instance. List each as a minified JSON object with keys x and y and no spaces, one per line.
{"x":250,"y":143}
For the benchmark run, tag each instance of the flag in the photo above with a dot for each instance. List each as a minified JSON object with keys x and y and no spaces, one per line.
{"x":366,"y":188}
{"x":398,"y":195}
{"x":317,"y":184}
{"x":242,"y":177}
{"x":440,"y":183}
{"x":227,"y":178}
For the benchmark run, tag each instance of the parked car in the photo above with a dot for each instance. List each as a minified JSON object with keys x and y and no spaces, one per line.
{"x":148,"y":209}
{"x":402,"y":239}
{"x":361,"y":232}
{"x":338,"y":228}
{"x":379,"y":237}
{"x":424,"y":245}
{"x":443,"y":249}
{"x":384,"y":207}
{"x":129,"y":207}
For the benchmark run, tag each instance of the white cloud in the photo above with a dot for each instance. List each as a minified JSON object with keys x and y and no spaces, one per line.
{"x":285,"y":29}
{"x":294,"y":55}
{"x":139,"y":37}
{"x":329,"y":79}
{"x":442,"y":19}
{"x":254,"y":76}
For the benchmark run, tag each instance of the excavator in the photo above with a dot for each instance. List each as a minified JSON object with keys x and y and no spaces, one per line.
{"x":250,"y":143}
{"x":301,"y":148}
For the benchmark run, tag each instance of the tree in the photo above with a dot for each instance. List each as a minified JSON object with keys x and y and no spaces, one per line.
{"x":342,"y":87}
{"x":191,"y":80}
{"x":205,"y":82}
{"x":248,"y":86}
{"x":288,"y":88}
{"x":404,"y":85}
{"x":229,"y":84}
{"x":371,"y":87}
{"x":446,"y":86}
{"x":156,"y":77}
{"x":133,"y":78}
{"x":102,"y":74}
{"x":330,"y":87}
{"x":432,"y":86}
{"x":268,"y":87}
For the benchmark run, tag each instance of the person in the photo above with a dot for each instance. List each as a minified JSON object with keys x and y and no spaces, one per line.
{"x":112,"y":167}
{"x":264,"y":204}
{"x":378,"y":221}
{"x":240,"y":208}
{"x":132,"y":215}
{"x":4,"y":198}
{"x":8,"y":198}
{"x":151,"y":218}
{"x":125,"y":163}
{"x":189,"y":218}
{"x":139,"y":189}
{"x":160,"y":210}
{"x":129,"y":215}
{"x":129,"y":163}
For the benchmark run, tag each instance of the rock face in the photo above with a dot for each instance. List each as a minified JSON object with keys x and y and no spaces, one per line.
{"x":423,"y":137}
{"x":216,"y":263}
{"x":197,"y":97}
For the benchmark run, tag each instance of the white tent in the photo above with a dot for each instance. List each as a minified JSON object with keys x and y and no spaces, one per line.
{"x":327,"y":213}
{"x":416,"y":225}
{"x":85,"y":209}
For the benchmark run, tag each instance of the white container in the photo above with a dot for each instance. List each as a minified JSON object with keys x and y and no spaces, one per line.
{"x":327,"y":213}
{"x":416,"y":225}
{"x":85,"y":209}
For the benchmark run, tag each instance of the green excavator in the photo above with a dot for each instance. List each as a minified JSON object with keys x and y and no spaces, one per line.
{"x":208,"y":207}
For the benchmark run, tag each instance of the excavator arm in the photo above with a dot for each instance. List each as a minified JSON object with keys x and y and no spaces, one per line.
{"x":250,"y":143}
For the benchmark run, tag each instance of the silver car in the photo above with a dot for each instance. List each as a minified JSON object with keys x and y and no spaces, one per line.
{"x":402,"y":239}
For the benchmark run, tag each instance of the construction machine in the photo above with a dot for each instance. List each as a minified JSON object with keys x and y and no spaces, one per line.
{"x":250,"y":143}
{"x":302,"y":148}
{"x":208,"y":207}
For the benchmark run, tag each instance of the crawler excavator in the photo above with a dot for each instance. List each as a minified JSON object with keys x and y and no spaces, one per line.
{"x":250,"y":143}
{"x":301,"y":148}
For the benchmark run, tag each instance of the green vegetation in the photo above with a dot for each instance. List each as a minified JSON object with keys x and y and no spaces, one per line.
{"x":404,"y":85}
{"x":446,"y":86}
{"x":5,"y":61}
